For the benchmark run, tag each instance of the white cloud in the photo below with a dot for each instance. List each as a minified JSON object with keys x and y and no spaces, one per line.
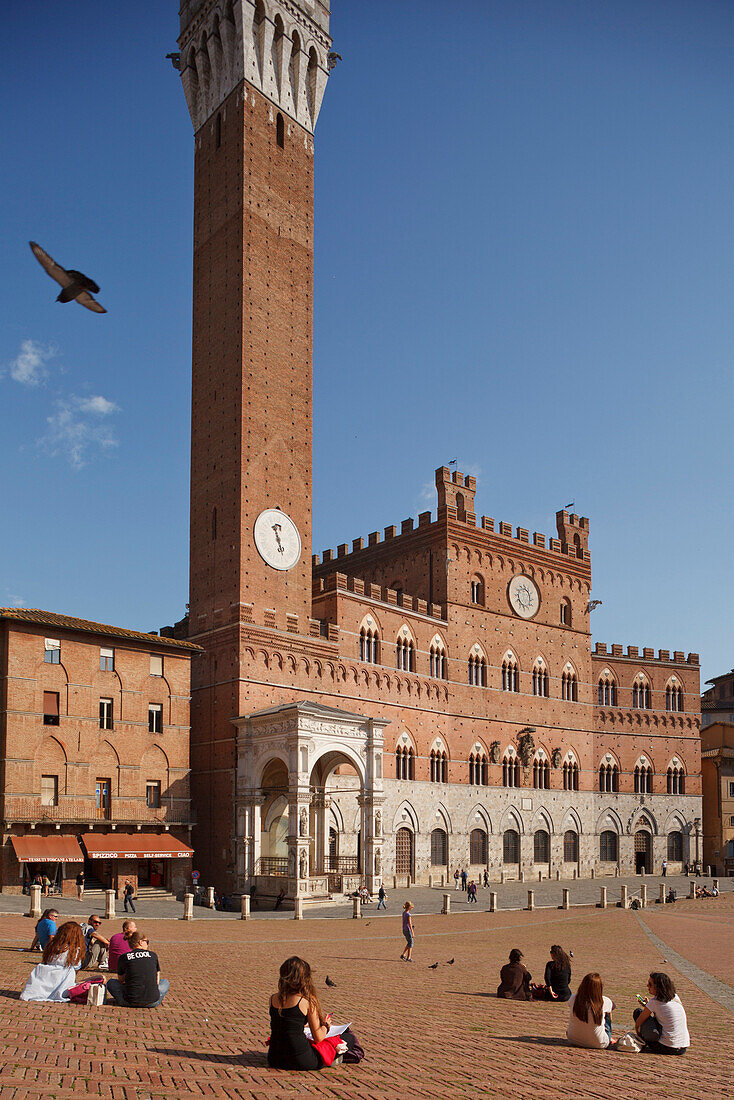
{"x":29,"y":366}
{"x":77,"y":427}
{"x":15,"y":601}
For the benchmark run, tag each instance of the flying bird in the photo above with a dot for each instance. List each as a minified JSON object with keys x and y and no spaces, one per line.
{"x":329,"y":981}
{"x":433,"y":966}
{"x":74,"y":284}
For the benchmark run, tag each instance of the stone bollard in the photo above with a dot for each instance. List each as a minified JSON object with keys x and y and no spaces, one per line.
{"x":616,"y":872}
{"x":575,"y":873}
{"x":643,"y":872}
{"x":602,"y":897}
{"x":558,"y":876}
{"x":593,"y":872}
{"x":446,"y":908}
{"x":188,"y":913}
{"x":298,"y":909}
{"x":661,"y":893}
{"x":531,"y":900}
{"x":245,"y":907}
{"x":409,"y":882}
{"x":35,"y":909}
{"x":623,"y":896}
{"x":643,"y":896}
{"x":540,"y":876}
{"x":356,"y":908}
{"x":691,"y":889}
{"x":708,"y":871}
{"x":210,"y":897}
{"x":492,"y":901}
{"x":521,"y":876}
{"x":109,"y":904}
{"x":566,"y":899}
{"x":503,"y":877}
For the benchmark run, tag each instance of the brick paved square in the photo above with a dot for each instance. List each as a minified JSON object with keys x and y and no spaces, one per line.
{"x":427,"y":1033}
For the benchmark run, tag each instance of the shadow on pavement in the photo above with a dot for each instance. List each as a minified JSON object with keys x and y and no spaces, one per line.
{"x":536,"y":1040}
{"x":11,"y":994}
{"x":246,"y":1058}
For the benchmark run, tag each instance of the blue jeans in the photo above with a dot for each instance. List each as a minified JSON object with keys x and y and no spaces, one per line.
{"x":129,"y":900}
{"x":116,"y":990}
{"x":382,"y":903}
{"x":608,"y":1024}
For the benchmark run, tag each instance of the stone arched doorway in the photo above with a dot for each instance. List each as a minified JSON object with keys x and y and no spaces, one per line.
{"x":643,"y":851}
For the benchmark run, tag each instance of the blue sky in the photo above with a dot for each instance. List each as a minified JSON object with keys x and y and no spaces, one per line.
{"x":523,"y":260}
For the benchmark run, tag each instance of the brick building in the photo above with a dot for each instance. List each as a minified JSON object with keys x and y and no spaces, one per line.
{"x":717,"y":771}
{"x":94,"y":754}
{"x":427,"y":698}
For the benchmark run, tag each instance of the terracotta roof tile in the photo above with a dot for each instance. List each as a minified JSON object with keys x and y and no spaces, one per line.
{"x":68,"y":622}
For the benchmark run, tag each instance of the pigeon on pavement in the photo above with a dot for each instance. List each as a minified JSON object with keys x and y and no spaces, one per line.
{"x":329,"y":981}
{"x":450,"y":962}
{"x":75,"y":285}
{"x":434,"y":966}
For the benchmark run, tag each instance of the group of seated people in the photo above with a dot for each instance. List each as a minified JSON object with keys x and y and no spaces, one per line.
{"x":660,"y":1022}
{"x":74,"y":947}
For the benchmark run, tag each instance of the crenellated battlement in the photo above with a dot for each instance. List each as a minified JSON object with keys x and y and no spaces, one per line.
{"x":340,"y":582}
{"x":282,"y":50}
{"x":456,"y":492}
{"x":647,"y":654}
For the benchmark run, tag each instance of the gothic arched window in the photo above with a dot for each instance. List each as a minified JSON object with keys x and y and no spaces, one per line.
{"x":510,"y":677}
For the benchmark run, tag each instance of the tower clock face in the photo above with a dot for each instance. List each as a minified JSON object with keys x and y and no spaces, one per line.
{"x":523,"y":596}
{"x":277,"y":539}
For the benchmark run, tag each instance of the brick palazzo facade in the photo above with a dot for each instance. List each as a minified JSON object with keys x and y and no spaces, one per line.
{"x":430,"y":697}
{"x":94,"y":754}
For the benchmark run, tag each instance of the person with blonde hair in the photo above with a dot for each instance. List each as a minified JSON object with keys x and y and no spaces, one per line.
{"x":56,"y":973}
{"x":408,"y":932}
{"x":590,"y":1022}
{"x":295,"y":1004}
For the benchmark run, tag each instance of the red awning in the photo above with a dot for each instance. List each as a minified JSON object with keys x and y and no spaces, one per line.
{"x":47,"y":849}
{"x":134,"y":846}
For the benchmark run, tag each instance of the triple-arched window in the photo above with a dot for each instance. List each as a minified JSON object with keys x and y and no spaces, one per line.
{"x":641,"y":695}
{"x":643,"y":779}
{"x":404,"y":762}
{"x":570,"y":775}
{"x":510,"y":675}
{"x":437,"y":660}
{"x":607,"y":690}
{"x":477,"y":670}
{"x":609,"y":778}
{"x":569,"y":685}
{"x":541,"y":774}
{"x":406,"y":654}
{"x":676,"y":779}
{"x":510,"y":771}
{"x":368,"y":645}
{"x":478,"y":770}
{"x":541,"y":679}
{"x":673,"y":696}
{"x":439,"y":766}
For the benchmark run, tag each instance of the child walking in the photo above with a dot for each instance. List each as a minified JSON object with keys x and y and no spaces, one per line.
{"x":408,"y":932}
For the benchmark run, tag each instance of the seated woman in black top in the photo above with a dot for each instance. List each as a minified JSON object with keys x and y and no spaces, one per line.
{"x":291,"y":1008}
{"x":557,"y":977}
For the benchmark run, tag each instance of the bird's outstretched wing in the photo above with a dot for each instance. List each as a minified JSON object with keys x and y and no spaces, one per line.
{"x":85,"y":299}
{"x":62,"y":277}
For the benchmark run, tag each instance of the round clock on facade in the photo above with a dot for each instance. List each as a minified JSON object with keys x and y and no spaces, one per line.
{"x":277,"y":539}
{"x":523,"y":596}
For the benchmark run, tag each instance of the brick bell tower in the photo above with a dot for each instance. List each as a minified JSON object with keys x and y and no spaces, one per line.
{"x":254,"y":74}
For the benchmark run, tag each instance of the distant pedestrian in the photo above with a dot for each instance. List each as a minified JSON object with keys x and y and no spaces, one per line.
{"x":382,"y":898}
{"x":698,"y":869}
{"x":253,"y":896}
{"x":464,"y":877}
{"x":486,"y":878}
{"x":473,"y":891}
{"x":46,"y":885}
{"x":128,"y":895}
{"x":457,"y":879}
{"x":280,"y":899}
{"x":80,"y":886}
{"x":408,"y":932}
{"x":665,"y":867}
